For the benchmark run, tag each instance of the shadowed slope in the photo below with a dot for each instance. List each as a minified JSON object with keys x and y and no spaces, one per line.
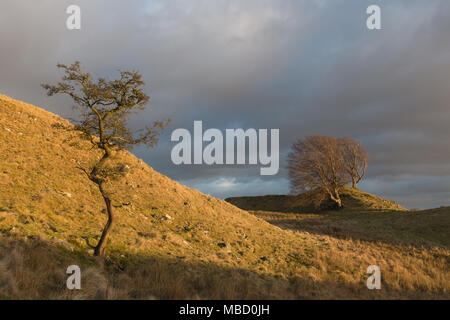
{"x":418,"y":228}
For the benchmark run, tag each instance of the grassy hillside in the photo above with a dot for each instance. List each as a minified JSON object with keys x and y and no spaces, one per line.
{"x":170,"y":241}
{"x":316,"y":200}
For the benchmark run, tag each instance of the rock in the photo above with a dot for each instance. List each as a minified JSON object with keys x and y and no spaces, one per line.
{"x":124,"y":168}
{"x":67,"y":194}
{"x":167,"y":217}
{"x":63,"y":243}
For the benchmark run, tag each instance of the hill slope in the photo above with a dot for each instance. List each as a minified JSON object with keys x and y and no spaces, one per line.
{"x":170,"y":241}
{"x":42,"y":193}
{"x":315,"y":200}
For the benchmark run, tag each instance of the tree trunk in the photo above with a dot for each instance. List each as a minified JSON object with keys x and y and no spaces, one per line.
{"x":338,"y":201}
{"x":354,"y":183}
{"x":100,"y":248}
{"x":99,"y":180}
{"x":336,"y":198}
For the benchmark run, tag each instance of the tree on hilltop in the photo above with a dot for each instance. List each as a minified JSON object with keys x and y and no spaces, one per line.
{"x":327,"y":163}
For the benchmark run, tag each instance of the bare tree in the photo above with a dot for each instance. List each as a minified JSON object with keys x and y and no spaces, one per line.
{"x":355,"y":159}
{"x":317,"y":162}
{"x":105,"y":107}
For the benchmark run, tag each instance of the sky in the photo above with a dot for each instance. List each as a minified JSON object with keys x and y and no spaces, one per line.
{"x":303,"y":67}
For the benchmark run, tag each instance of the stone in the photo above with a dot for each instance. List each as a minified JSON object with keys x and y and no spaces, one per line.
{"x":63,"y":243}
{"x":124,"y":168}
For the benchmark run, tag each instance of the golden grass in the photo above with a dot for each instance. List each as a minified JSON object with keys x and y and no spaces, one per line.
{"x":166,"y":242}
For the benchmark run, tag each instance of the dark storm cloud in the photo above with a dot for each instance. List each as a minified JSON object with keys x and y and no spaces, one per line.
{"x":305,"y":67}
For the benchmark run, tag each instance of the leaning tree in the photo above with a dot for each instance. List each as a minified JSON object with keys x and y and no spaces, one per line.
{"x":105,"y":108}
{"x":317,"y":162}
